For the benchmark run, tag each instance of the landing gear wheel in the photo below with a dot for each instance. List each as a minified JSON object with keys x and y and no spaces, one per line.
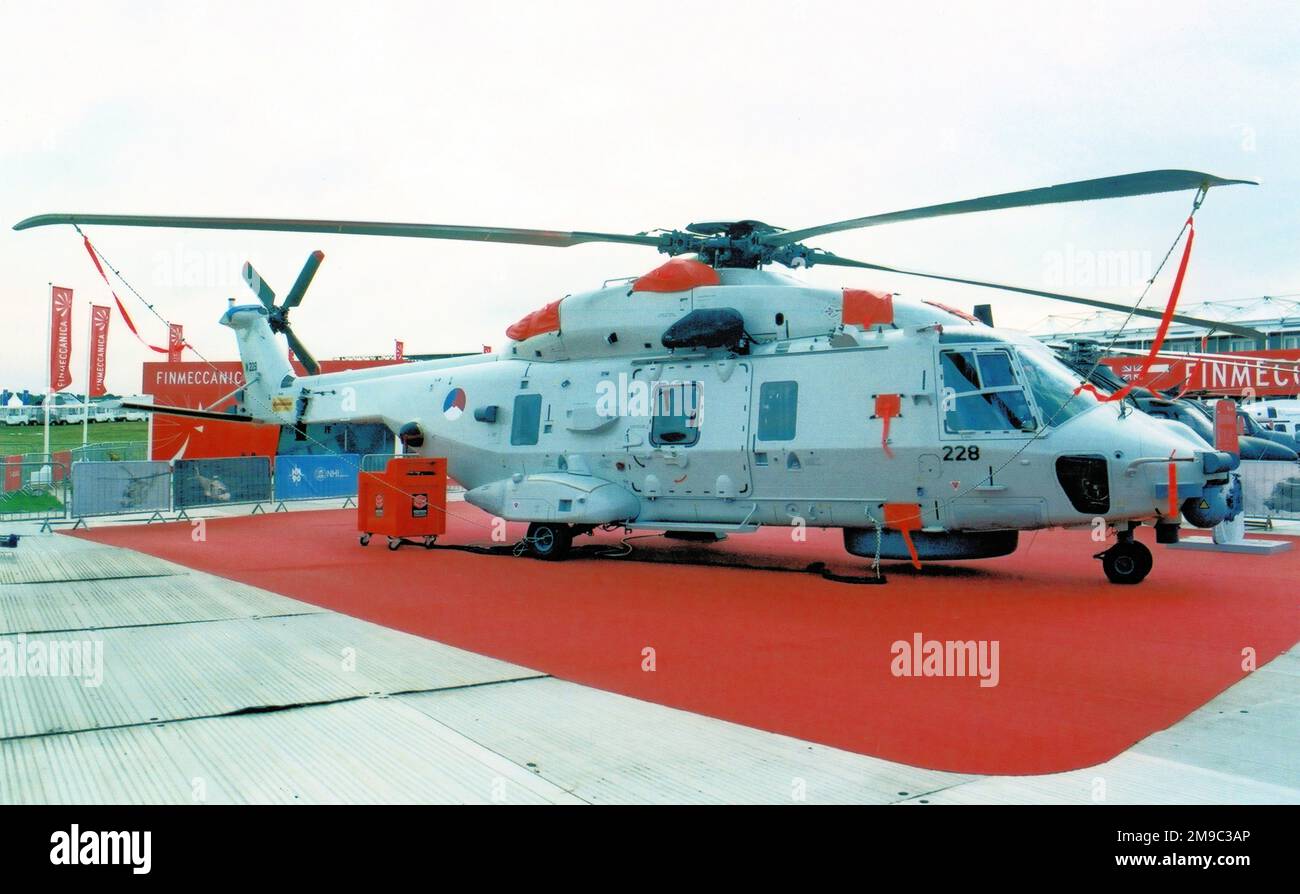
{"x":365,"y":539}
{"x":548,"y":541}
{"x":394,"y":543}
{"x":1126,"y":563}
{"x":430,"y":541}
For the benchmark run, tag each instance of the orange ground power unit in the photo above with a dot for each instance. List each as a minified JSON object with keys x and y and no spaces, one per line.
{"x":407,"y":502}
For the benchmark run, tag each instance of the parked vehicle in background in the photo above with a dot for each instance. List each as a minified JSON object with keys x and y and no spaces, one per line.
{"x":126,"y":414}
{"x":1273,"y":409}
{"x":1286,"y":426}
{"x":20,"y":415}
{"x":66,"y":414}
{"x":1200,"y":419}
{"x":1251,"y":426}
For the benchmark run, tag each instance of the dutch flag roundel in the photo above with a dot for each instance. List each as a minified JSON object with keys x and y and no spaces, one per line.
{"x":454,"y":405}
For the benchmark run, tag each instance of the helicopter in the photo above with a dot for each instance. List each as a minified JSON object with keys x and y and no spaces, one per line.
{"x":714,"y":395}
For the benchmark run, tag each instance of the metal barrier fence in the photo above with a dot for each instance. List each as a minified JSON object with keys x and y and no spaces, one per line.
{"x":61,"y":485}
{"x":112,"y":452}
{"x":118,"y":488}
{"x":33,"y":490}
{"x":220,"y":482}
{"x":1270,"y":489}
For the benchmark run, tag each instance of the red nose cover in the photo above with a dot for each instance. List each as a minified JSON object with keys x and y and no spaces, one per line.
{"x":866,"y":309}
{"x":546,"y":319}
{"x":677,"y":275}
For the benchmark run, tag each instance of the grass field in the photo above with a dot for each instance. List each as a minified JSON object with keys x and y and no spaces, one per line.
{"x":20,"y":501}
{"x":31,"y":438}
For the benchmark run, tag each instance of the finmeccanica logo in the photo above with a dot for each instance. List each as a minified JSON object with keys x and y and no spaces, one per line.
{"x":198,"y":377}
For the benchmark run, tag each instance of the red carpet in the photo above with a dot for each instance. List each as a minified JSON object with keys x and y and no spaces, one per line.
{"x":1086,"y":668}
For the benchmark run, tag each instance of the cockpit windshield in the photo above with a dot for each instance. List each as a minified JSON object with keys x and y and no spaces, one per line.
{"x":1053,"y":385}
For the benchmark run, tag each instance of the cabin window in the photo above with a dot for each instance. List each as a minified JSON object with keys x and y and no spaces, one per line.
{"x":527,"y":420}
{"x":677,"y":416}
{"x":981,"y":393}
{"x":778,"y":411}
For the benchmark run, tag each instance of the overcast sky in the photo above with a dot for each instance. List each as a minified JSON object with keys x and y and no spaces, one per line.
{"x":621,"y":117}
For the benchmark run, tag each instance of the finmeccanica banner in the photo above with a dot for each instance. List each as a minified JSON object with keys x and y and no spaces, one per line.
{"x":60,"y":338}
{"x":211,"y":386}
{"x":175,"y":342}
{"x":1257,"y":373}
{"x":99,"y":317}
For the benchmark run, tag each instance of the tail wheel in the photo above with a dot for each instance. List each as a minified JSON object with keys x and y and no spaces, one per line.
{"x":548,"y":541}
{"x":1127,"y":563}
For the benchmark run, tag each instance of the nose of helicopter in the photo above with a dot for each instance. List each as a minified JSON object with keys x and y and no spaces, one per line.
{"x":1166,"y":466}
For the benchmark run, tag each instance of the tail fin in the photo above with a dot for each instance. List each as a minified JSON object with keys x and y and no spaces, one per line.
{"x":267,"y":373}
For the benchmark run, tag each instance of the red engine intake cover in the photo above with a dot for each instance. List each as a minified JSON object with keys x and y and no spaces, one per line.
{"x":547,"y":319}
{"x":677,"y":275}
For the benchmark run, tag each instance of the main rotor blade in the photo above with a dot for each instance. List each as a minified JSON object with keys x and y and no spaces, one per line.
{"x":551,"y":238}
{"x":304,"y":279}
{"x":259,"y":286}
{"x":837,"y":261}
{"x":300,"y":351}
{"x":1139,"y":184}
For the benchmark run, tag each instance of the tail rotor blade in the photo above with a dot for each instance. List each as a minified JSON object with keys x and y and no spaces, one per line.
{"x":294,"y":298}
{"x":259,"y":286}
{"x":300,"y":350}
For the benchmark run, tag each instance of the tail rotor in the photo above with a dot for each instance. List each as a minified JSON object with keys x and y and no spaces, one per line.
{"x":278,"y":315}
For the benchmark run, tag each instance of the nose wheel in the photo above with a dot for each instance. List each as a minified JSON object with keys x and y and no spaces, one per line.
{"x":1127,"y":562}
{"x":549,"y":542}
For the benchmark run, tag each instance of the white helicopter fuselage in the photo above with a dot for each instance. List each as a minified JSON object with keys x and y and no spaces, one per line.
{"x":820,"y":417}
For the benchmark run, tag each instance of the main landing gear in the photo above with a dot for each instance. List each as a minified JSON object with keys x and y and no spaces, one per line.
{"x":1127,"y":562}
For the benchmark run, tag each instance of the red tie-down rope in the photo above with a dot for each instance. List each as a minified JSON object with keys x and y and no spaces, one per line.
{"x":1165,"y":320}
{"x":121,"y":308}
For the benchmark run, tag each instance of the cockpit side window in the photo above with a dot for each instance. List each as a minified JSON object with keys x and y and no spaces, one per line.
{"x":981,"y":393}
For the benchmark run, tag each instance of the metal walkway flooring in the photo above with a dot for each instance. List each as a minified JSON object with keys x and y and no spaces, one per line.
{"x":217,"y":692}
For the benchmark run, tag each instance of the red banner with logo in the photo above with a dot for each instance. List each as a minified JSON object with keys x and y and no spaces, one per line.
{"x":201,"y":386}
{"x":99,"y":317}
{"x":60,"y":338}
{"x":400,"y":350}
{"x":175,"y":342}
{"x":1273,"y":373}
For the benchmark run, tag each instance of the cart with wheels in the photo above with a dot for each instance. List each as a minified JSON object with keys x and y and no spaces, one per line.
{"x":407,"y":502}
